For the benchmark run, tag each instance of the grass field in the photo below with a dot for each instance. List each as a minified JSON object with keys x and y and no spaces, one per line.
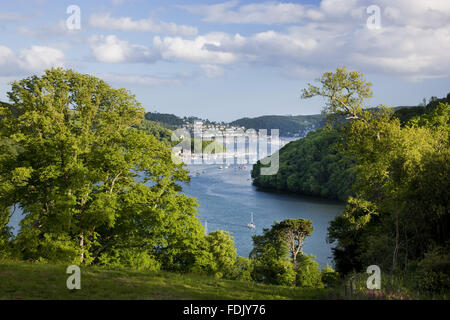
{"x":19,"y":280}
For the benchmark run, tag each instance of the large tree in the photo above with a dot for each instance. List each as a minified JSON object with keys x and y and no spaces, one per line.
{"x":275,"y":252}
{"x":89,"y":184}
{"x":400,"y":210}
{"x":294,"y":232}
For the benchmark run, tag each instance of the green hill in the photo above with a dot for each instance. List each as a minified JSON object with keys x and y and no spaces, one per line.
{"x":288,"y":125}
{"x":20,"y":280}
{"x":168,"y":120}
{"x":310,"y":166}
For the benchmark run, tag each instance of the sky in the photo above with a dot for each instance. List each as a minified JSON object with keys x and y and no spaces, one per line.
{"x":224,"y":60}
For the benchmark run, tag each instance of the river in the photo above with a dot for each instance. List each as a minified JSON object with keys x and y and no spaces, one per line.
{"x":227,"y":197}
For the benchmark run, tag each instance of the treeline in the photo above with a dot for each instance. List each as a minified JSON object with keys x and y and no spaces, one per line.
{"x":405,"y":114}
{"x":168,"y":120}
{"x":157,"y":130}
{"x":398,"y":217}
{"x":314,"y":165}
{"x":287,"y":125}
{"x":311,"y":166}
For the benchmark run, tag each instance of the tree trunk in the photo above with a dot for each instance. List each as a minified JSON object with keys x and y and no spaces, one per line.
{"x":397,"y":236}
{"x":294,"y":260}
{"x":82,"y":248}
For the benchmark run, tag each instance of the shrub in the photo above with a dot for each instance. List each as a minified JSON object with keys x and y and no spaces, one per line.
{"x":129,"y":258}
{"x":308,"y":272}
{"x":242,"y":270}
{"x":433,"y":272}
{"x":330,"y":278}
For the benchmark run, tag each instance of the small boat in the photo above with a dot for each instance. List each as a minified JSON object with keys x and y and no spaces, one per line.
{"x":251,"y":224}
{"x":220,"y":168}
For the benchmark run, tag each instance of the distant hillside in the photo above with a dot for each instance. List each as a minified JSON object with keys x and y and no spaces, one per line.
{"x":288,"y":125}
{"x":168,"y":120}
{"x":406,"y":113}
{"x":311,"y":166}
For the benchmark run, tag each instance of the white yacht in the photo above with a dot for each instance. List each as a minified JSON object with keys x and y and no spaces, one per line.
{"x":251,"y":224}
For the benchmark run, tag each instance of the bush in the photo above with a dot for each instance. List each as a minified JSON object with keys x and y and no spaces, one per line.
{"x":433,"y":272}
{"x":330,"y":278}
{"x":129,"y":258}
{"x":242,"y":270}
{"x":308,"y":272}
{"x":273,"y":271}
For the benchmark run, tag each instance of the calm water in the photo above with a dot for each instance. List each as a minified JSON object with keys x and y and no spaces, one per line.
{"x":227,"y":197}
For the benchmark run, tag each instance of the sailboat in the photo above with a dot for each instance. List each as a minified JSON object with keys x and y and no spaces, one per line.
{"x":251,"y":224}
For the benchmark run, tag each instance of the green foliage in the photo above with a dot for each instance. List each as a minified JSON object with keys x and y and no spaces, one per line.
{"x":287,"y":125}
{"x":168,"y":120}
{"x":308,"y":272}
{"x":220,"y":245}
{"x":433,"y":272}
{"x":271,"y":259}
{"x":348,"y":230}
{"x":401,"y":209}
{"x":330,"y":278}
{"x":345,"y":91}
{"x":311,"y":166}
{"x":92,"y":187}
{"x":241,"y":270}
{"x":155,"y":129}
{"x":5,"y":233}
{"x":133,"y":258}
{"x":277,"y":255}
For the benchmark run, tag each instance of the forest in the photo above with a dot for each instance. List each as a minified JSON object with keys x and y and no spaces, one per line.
{"x":391,"y":169}
{"x":288,"y":126}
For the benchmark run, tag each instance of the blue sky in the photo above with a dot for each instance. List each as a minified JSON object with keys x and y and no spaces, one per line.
{"x":224,"y":60}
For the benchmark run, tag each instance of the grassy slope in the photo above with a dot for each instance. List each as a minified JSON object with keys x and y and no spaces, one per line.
{"x":47,"y":281}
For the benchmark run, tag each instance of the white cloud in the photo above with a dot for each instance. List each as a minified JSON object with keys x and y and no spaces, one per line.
{"x":413,"y":42}
{"x":47,"y":31}
{"x":139,"y":80}
{"x":263,"y":13}
{"x":212,"y":71}
{"x":38,"y":58}
{"x":105,"y":21}
{"x":111,"y":49}
{"x":11,"y":16}
{"x":194,"y":51}
{"x":33,"y":59}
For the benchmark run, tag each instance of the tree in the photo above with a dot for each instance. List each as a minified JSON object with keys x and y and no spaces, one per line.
{"x":270,"y":256}
{"x":400,"y":209}
{"x":223,"y":253}
{"x":5,"y":233}
{"x":344,"y":90}
{"x":308,"y":273}
{"x":294,"y":232}
{"x":275,"y":251}
{"x":90,"y":185}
